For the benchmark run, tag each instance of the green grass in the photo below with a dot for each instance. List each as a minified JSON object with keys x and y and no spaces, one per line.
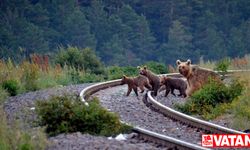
{"x":240,"y":107}
{"x":3,"y":95}
{"x":212,"y":100}
{"x":13,"y":138}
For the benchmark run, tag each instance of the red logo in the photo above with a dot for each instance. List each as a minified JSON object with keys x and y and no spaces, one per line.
{"x":207,"y":141}
{"x":225,"y":140}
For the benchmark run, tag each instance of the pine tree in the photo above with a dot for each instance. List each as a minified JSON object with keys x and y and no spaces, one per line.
{"x":77,"y":30}
{"x":138,"y":33}
{"x":179,"y":44}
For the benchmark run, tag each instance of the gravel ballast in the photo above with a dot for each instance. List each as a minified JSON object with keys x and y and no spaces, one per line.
{"x":171,"y":100}
{"x":22,"y":108}
{"x":132,"y":110}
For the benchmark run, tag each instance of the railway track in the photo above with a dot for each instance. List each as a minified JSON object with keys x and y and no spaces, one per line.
{"x":191,"y":121}
{"x":170,"y":142}
{"x":166,"y":141}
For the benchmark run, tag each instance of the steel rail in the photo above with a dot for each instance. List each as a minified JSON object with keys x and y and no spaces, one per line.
{"x":192,"y":121}
{"x":168,"y":141}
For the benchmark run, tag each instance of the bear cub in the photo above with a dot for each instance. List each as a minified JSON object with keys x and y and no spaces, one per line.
{"x":154,"y":80}
{"x":174,"y":83}
{"x":134,"y":82}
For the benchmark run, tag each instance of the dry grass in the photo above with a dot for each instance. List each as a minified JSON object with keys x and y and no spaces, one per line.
{"x":240,"y":63}
{"x":33,"y":76}
{"x":240,"y":107}
{"x":206,"y":64}
{"x":236,"y":63}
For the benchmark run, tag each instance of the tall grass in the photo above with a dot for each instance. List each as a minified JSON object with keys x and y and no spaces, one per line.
{"x":235,"y":63}
{"x":32,"y":76}
{"x":3,"y":95}
{"x":240,"y":107}
{"x":13,"y":138}
{"x":206,"y":64}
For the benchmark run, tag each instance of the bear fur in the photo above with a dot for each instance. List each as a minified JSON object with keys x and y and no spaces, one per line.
{"x":139,"y":81}
{"x":174,"y":83}
{"x":154,"y":80}
{"x":195,"y":75}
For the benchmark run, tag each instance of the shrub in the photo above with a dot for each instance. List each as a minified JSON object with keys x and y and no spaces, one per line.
{"x":68,"y":114}
{"x":89,"y":78}
{"x":211,"y":95}
{"x":222,"y":66}
{"x":84,"y":59}
{"x":12,"y":86}
{"x":116,"y":72}
{"x":156,"y":67}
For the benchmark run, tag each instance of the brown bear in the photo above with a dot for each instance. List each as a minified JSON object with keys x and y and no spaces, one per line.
{"x":174,"y":83}
{"x":154,"y":80}
{"x":139,"y":81}
{"x":196,"y":76}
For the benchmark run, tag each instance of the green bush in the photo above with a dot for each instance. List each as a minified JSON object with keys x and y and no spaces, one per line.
{"x":68,"y":114}
{"x":12,"y":86}
{"x":116,"y":72}
{"x":156,"y":67}
{"x":81,"y":59}
{"x":90,"y":78}
{"x":211,"y":95}
{"x":222,"y":66}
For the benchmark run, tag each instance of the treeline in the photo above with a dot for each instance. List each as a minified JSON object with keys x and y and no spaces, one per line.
{"x":126,"y":32}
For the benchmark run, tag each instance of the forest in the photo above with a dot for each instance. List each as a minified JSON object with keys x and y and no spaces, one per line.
{"x":56,"y":44}
{"x":126,"y":32}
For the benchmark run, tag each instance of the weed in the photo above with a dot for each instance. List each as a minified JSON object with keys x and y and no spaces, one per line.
{"x":12,"y":86}
{"x":68,"y":114}
{"x":211,"y":96}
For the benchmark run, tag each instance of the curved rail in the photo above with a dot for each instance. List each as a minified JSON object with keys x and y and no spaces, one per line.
{"x":198,"y":123}
{"x":152,"y":136}
{"x":143,"y":133}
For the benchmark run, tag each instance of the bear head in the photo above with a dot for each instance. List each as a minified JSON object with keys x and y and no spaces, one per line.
{"x":184,"y":67}
{"x":143,"y":70}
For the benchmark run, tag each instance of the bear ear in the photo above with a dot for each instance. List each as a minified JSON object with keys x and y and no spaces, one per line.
{"x":178,"y":62}
{"x":188,"y":62}
{"x":145,"y":67}
{"x":138,"y":67}
{"x":124,"y":76}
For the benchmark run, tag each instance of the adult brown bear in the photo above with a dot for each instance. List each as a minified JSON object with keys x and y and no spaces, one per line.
{"x":196,"y":76}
